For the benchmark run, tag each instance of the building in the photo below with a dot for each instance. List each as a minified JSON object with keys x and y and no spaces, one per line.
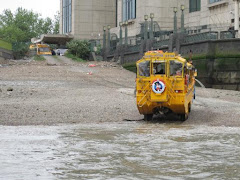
{"x":84,"y":19}
{"x":134,"y":11}
{"x":216,"y":15}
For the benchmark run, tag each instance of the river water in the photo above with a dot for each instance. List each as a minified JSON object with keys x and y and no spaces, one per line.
{"x":126,"y":150}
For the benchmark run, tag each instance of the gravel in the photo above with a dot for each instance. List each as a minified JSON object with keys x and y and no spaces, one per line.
{"x":72,"y":92}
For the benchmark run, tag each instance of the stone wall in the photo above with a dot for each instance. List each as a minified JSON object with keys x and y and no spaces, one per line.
{"x":220,"y":73}
{"x":217,"y":61}
{"x":6,"y":54}
{"x":228,"y":47}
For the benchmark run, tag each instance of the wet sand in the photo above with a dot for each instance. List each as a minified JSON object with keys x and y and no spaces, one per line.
{"x":62,"y":91}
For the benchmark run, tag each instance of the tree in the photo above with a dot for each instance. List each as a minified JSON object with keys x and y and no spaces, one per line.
{"x":24,"y":25}
{"x":56,"y":23}
{"x":18,"y":28}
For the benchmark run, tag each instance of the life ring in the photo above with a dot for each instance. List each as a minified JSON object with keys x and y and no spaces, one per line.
{"x":158,"y":86}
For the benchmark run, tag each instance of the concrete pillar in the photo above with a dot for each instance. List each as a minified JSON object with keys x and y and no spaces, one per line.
{"x":120,"y":35}
{"x":145,"y":27}
{"x":104,"y":43}
{"x":236,"y":13}
{"x":126,"y":33}
{"x":109,"y":38}
{"x":175,"y":20}
{"x":182,"y":19}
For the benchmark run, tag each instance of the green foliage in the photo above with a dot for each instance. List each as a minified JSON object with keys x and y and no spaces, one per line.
{"x":79,"y":48}
{"x":23,"y":25}
{"x":73,"y":57}
{"x":130,"y":67}
{"x":56,"y":23}
{"x":99,"y":49}
{"x":218,"y":55}
{"x":20,"y":49}
{"x":18,"y":28}
{"x":5,"y":45}
{"x":39,"y":58}
{"x":228,"y":55}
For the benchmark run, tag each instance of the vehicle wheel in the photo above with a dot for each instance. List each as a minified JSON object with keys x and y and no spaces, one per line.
{"x":183,"y":117}
{"x":189,"y":108}
{"x":148,"y":117}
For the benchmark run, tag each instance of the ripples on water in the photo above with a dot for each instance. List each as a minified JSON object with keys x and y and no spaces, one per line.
{"x":120,"y":151}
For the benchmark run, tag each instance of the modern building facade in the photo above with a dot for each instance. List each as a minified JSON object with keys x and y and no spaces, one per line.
{"x":217,"y":15}
{"x":84,"y":19}
{"x":134,"y":11}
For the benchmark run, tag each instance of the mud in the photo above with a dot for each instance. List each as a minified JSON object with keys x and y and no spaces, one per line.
{"x":72,"y":92}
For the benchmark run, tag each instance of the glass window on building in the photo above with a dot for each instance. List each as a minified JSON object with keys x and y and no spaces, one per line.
{"x":194,"y":5}
{"x":129,"y":9}
{"x":67,"y":16}
{"x":213,"y":1}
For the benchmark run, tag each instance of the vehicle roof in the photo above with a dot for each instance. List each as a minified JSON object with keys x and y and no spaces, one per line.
{"x":160,"y":55}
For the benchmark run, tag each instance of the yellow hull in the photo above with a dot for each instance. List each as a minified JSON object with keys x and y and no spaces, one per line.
{"x":166,"y":91}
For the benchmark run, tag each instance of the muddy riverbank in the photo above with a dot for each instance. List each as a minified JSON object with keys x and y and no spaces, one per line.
{"x":62,"y":91}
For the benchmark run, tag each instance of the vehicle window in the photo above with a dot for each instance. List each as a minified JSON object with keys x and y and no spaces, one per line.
{"x":44,"y":49}
{"x":144,"y":68}
{"x":176,"y":68}
{"x":159,"y":68}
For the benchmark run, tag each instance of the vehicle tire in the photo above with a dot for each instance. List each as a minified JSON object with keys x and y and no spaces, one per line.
{"x":183,"y":117}
{"x":189,"y":108}
{"x":148,"y":117}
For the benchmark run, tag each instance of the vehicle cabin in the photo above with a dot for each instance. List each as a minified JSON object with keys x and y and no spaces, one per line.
{"x":41,"y":49}
{"x":165,"y":83}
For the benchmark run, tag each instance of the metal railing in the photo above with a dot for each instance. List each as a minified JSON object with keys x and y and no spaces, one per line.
{"x":133,"y":48}
{"x":211,"y":35}
{"x":228,"y":34}
{"x":160,"y":44}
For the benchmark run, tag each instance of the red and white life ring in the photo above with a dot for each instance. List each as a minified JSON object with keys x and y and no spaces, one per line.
{"x":158,"y":86}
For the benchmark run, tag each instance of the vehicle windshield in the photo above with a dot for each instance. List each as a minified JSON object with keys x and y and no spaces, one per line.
{"x":44,"y":49}
{"x":159,"y":67}
{"x":176,"y":68}
{"x":144,"y":68}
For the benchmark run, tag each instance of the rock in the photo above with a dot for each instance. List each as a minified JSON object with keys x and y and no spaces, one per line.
{"x":10,"y":89}
{"x":0,"y":90}
{"x":50,"y":64}
{"x":119,"y":61}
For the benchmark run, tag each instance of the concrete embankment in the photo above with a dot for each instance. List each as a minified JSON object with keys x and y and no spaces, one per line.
{"x":5,"y":50}
{"x":220,"y":73}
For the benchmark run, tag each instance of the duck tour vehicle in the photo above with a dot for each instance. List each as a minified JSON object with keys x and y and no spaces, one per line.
{"x":165,"y":83}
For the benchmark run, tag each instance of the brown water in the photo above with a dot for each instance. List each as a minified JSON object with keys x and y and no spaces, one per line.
{"x":127,"y":150}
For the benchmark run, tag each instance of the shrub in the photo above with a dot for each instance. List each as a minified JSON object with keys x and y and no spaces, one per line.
{"x":39,"y":58}
{"x":79,"y":48}
{"x":73,"y":57}
{"x":130,"y":66}
{"x":20,"y":49}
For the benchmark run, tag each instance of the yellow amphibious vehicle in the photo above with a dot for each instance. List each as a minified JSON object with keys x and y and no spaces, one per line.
{"x":165,"y":83}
